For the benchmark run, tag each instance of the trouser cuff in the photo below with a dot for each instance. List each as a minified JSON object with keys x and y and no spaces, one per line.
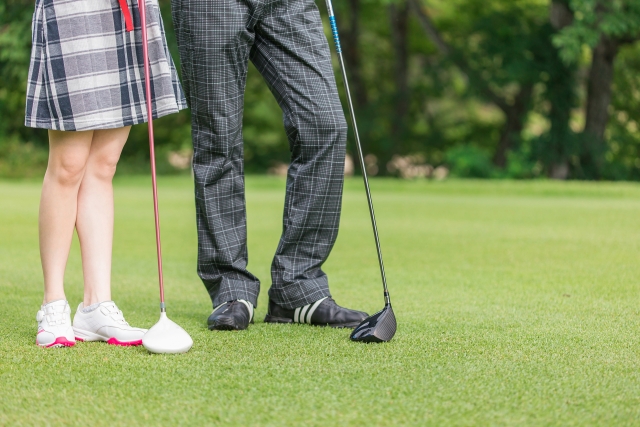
{"x":230,"y":290}
{"x":297,"y":294}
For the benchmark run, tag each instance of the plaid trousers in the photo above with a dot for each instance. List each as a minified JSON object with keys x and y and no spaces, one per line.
{"x":286,"y":42}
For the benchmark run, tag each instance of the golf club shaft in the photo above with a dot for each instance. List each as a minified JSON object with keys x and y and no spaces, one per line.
{"x":152,"y":151}
{"x":336,"y":39}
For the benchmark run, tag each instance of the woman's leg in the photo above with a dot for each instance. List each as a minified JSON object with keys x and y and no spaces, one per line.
{"x":68,"y":154}
{"x":95,"y":213}
{"x":94,"y":224}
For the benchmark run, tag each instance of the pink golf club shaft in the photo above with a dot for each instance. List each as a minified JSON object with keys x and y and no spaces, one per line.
{"x":147,"y":84}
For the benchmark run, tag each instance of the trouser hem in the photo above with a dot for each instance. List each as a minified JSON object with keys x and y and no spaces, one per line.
{"x":230,"y":290}
{"x":300,"y":293}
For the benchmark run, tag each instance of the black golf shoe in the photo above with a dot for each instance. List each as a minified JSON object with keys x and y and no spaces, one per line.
{"x":231,"y":316}
{"x":324,"y":312}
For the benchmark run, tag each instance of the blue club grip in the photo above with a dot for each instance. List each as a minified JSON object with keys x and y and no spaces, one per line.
{"x":334,"y":31}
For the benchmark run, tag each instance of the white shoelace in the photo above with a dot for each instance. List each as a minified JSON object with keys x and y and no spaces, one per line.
{"x":115,"y":313}
{"x":55,"y":317}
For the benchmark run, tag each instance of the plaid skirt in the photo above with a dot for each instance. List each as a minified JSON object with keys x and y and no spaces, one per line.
{"x":87,"y":70}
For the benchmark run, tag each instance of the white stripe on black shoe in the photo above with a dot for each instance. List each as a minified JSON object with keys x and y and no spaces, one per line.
{"x":303,"y":314}
{"x":324,"y":312}
{"x":249,"y":307}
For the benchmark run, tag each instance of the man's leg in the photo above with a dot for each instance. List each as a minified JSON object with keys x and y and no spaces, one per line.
{"x":214,"y":47}
{"x":292,"y":53}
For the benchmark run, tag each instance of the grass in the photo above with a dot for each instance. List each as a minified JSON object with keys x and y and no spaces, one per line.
{"x":517,"y":304}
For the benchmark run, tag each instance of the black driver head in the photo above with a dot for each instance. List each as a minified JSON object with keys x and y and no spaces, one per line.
{"x":380,"y":327}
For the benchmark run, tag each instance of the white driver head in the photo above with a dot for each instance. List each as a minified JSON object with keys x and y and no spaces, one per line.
{"x":166,"y":337}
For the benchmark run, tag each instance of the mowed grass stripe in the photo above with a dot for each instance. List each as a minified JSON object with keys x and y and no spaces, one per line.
{"x":516,"y":303}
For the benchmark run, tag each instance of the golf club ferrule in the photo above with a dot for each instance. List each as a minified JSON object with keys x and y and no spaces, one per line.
{"x":163,"y":307}
{"x":329,"y":9}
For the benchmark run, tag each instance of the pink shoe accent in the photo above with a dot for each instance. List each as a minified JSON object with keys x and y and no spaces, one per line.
{"x":59,"y":342}
{"x":79,"y":339}
{"x":114,"y":341}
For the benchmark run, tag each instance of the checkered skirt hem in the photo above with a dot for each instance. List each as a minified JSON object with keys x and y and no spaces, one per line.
{"x":87,"y":71}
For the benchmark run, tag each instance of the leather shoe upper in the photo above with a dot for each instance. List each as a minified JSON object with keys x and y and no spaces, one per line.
{"x":232,"y":315}
{"x":324,"y":312}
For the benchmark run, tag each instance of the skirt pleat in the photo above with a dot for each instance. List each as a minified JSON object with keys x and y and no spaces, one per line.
{"x":87,"y":72}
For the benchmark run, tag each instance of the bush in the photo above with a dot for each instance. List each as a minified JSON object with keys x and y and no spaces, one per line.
{"x":19,"y":159}
{"x":521,"y":166}
{"x":467,"y":161}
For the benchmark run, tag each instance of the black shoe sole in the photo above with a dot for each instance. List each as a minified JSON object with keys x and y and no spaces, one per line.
{"x":273,"y":319}
{"x":221,"y":324}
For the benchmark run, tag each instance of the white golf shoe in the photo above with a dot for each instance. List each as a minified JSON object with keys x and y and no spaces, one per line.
{"x":54,"y":325}
{"x":105,"y":323}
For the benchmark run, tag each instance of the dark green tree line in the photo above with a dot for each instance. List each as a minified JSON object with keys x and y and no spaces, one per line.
{"x":488,"y":88}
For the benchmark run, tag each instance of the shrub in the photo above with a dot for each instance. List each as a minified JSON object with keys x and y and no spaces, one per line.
{"x":466,"y":161}
{"x":19,"y":159}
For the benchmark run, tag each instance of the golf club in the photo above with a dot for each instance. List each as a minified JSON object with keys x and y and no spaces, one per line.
{"x":380,"y":327}
{"x":165,"y":336}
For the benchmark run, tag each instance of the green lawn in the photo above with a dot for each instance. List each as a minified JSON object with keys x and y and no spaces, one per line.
{"x":517,"y":304}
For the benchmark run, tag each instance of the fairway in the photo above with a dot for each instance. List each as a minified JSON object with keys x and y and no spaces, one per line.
{"x":517,"y":304}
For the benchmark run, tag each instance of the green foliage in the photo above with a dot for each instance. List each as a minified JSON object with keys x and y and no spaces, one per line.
{"x":507,"y":48}
{"x":622,"y":160}
{"x":504,"y":41}
{"x":19,"y":159}
{"x":22,"y":152}
{"x":468,"y":161}
{"x":15,"y":52}
{"x":593,"y":18}
{"x":265,"y":141}
{"x":521,"y":165}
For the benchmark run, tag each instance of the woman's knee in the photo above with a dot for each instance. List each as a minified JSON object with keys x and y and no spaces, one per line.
{"x":105,"y":152}
{"x":67,"y":170}
{"x":103,"y":166}
{"x":68,"y":155}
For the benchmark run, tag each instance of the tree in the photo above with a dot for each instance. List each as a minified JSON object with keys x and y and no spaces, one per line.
{"x":399,"y":17}
{"x":604,"y":26}
{"x":351,"y":37}
{"x":476,"y":80}
{"x":15,"y":49}
{"x":622,"y":160}
{"x":559,"y":144}
{"x":499,"y":48}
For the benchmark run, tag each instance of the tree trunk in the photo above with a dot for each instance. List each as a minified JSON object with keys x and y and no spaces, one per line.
{"x":513,"y":126}
{"x":559,"y":171}
{"x":399,"y":15}
{"x":599,"y":88}
{"x":560,"y":15}
{"x":352,"y":55}
{"x":562,"y":98}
